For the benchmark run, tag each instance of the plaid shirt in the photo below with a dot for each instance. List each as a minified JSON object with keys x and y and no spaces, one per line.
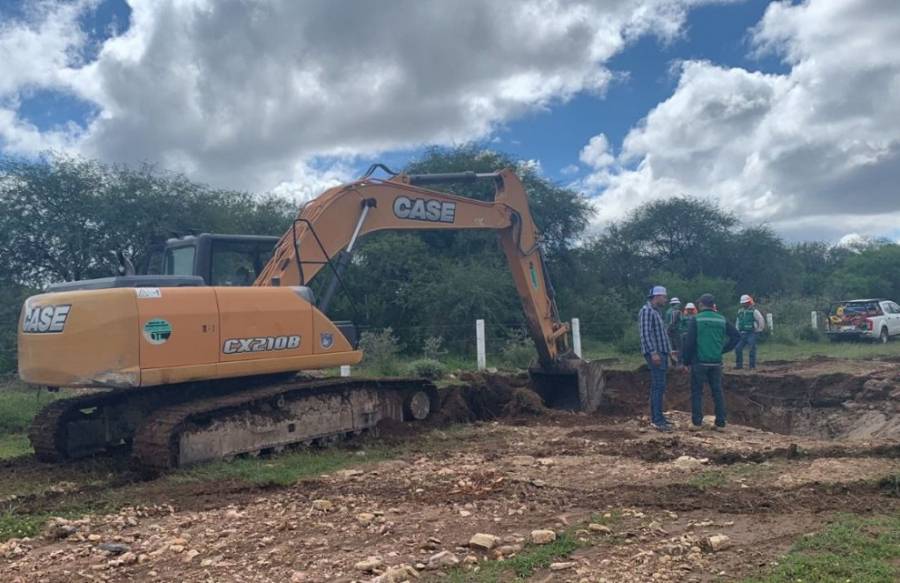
{"x":653,"y":331}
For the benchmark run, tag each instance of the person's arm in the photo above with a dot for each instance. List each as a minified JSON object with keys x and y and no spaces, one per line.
{"x":760,"y":321}
{"x":644,"y":332}
{"x":733,"y":338}
{"x":689,"y":348}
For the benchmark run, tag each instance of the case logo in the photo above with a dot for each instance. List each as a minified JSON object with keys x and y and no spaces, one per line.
{"x":260,"y":344}
{"x":326,"y":339}
{"x":45,"y":319}
{"x":423,"y":209}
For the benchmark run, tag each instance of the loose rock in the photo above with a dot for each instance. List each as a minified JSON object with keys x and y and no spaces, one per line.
{"x":442,"y":559}
{"x":717,"y":542}
{"x":542,"y":537}
{"x":369,"y":564}
{"x":483,"y":541}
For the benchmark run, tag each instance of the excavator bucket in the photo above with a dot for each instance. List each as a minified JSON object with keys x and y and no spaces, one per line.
{"x":572,"y":384}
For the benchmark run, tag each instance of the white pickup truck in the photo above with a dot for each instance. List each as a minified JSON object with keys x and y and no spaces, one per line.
{"x":872,"y":319}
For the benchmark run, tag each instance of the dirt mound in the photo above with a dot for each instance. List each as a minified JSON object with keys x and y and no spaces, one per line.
{"x":487,"y":396}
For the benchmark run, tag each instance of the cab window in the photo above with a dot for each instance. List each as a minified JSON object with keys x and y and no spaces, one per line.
{"x":180,"y":260}
{"x":237,"y":263}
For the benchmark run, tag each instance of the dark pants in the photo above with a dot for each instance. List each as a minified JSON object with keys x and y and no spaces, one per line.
{"x":711,"y":375}
{"x":748,"y":339}
{"x":657,"y":388}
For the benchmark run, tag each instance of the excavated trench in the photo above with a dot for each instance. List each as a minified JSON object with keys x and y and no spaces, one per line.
{"x":836,"y":405}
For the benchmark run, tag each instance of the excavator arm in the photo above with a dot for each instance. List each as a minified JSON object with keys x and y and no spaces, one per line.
{"x":327,"y":229}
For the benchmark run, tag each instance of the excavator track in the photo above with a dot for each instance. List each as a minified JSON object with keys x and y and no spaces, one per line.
{"x":80,"y":426}
{"x":273,"y":417}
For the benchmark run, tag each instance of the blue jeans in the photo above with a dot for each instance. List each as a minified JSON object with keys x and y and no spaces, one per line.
{"x":748,"y":339}
{"x":657,"y":388}
{"x":712,"y":375}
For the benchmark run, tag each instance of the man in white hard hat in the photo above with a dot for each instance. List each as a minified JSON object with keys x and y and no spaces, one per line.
{"x":656,"y":348}
{"x":749,"y":323}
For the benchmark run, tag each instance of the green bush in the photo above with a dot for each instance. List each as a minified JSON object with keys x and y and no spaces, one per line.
{"x":433,"y":348}
{"x":427,"y":368}
{"x":518,"y":352}
{"x":380,"y":352}
{"x":630,"y":342}
{"x":807,"y":334}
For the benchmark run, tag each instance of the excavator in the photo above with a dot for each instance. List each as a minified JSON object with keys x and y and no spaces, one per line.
{"x":201,"y":362}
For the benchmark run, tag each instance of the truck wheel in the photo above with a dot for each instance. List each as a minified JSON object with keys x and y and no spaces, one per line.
{"x":883,"y":337}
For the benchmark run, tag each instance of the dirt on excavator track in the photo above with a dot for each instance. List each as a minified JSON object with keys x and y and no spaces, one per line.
{"x":807,"y":442}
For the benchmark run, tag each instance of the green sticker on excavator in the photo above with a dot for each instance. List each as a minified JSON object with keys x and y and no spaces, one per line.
{"x":533,"y":275}
{"x":157,"y":331}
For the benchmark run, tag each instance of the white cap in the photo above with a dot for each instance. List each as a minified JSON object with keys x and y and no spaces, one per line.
{"x":674,"y":301}
{"x":657,"y":290}
{"x":746,"y":299}
{"x":690,"y":306}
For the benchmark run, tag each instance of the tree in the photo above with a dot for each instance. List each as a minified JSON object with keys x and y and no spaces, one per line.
{"x":683,"y":235}
{"x":62,"y":217}
{"x":873,"y":272}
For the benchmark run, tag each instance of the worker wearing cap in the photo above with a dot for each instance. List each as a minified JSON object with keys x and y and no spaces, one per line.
{"x":749,"y":323}
{"x":656,"y":348}
{"x":709,"y":336}
{"x":672,"y":318}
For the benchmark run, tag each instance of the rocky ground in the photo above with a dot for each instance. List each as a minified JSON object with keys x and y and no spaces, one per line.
{"x":609,"y":499}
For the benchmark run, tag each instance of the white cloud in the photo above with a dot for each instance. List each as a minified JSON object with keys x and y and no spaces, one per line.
{"x":242,"y":93}
{"x":813,"y":151}
{"x":597,"y":154}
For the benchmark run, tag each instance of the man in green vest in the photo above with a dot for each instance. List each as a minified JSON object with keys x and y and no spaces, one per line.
{"x":708,"y":337}
{"x":749,"y":323}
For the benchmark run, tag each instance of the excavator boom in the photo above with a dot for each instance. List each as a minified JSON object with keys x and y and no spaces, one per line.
{"x":328,"y":228}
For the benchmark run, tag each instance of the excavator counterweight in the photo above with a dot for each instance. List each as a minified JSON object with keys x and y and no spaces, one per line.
{"x":201,"y":364}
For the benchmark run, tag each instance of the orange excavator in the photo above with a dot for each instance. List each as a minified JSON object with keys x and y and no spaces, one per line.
{"x":201,"y":362}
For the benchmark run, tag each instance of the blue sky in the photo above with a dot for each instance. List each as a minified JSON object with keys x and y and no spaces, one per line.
{"x":777,"y":110}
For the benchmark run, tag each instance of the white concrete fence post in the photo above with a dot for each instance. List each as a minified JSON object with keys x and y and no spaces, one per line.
{"x":770,"y":322}
{"x":345,"y":370}
{"x":814,"y":320}
{"x":576,"y":337}
{"x":479,"y":340}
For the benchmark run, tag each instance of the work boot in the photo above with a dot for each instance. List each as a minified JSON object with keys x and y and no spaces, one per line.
{"x":693,"y":427}
{"x":719,"y":428}
{"x":664,"y":427}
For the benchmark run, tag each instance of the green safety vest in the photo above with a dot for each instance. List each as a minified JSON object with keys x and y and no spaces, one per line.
{"x":710,"y":337}
{"x":670,"y":316}
{"x":747,"y":320}
{"x":683,"y":323}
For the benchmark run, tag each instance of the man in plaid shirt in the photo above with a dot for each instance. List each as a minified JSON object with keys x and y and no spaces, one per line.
{"x":656,"y":348}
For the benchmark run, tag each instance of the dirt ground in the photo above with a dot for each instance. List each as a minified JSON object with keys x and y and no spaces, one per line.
{"x":806,"y":441}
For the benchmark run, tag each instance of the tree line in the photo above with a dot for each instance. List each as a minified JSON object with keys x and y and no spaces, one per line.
{"x":63,"y":218}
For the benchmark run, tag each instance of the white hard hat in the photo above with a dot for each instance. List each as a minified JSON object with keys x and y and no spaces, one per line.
{"x":657,"y":290}
{"x":690,"y":306}
{"x":745,"y":299}
{"x":674,"y":301}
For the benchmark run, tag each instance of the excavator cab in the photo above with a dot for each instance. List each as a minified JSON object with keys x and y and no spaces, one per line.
{"x":221,"y":260}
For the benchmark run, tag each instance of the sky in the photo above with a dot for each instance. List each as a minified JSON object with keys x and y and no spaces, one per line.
{"x":786,"y":113}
